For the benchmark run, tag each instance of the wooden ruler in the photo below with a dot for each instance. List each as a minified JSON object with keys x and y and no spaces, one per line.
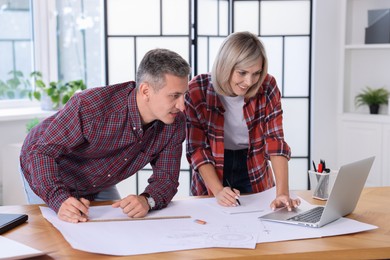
{"x":132,"y":219}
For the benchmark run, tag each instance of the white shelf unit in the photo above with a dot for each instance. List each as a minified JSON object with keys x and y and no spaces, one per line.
{"x":361,"y":134}
{"x":363,"y":64}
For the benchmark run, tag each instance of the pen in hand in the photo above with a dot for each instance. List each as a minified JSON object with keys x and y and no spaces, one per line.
{"x":238,"y":201}
{"x":78,"y":197}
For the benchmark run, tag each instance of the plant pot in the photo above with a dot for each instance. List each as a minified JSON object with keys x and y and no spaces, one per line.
{"x":47,"y":104}
{"x":374,"y":109}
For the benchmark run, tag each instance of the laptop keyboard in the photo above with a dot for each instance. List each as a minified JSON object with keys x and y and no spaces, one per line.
{"x":311,"y":216}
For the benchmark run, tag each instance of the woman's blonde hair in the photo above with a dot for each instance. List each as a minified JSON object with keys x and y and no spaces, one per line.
{"x":238,"y":50}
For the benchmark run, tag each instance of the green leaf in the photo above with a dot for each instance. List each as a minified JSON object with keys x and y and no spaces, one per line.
{"x":37,"y":95}
{"x":17,"y":73}
{"x":50,"y":92}
{"x":13,"y":83}
{"x":55,"y":98}
{"x":36,"y":74}
{"x":65,"y":99}
{"x":40,"y":84}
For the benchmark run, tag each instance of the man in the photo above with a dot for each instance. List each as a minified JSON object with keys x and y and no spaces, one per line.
{"x":105,"y":135}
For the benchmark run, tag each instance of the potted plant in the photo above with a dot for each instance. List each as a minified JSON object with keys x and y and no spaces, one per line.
{"x":56,"y":94}
{"x":373,"y":98}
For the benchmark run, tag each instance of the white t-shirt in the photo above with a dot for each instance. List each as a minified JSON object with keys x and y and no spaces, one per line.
{"x":235,"y":128}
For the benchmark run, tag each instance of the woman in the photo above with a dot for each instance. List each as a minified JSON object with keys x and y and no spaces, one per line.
{"x":234,"y":126}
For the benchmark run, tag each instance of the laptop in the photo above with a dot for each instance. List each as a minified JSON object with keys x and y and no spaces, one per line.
{"x":342,"y":199}
{"x":10,"y":221}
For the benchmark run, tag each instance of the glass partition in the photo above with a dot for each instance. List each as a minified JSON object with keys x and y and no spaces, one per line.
{"x":283,"y":26}
{"x":79,"y":41}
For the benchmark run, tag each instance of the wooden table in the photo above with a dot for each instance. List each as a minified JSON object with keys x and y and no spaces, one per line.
{"x":373,"y":208}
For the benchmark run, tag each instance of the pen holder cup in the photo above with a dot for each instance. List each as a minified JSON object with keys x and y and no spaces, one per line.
{"x":321,"y":183}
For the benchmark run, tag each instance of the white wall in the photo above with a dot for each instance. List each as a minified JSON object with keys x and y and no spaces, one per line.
{"x":13,"y":131}
{"x":327,"y":26}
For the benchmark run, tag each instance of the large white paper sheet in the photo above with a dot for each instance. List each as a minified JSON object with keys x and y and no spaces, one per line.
{"x":10,"y":249}
{"x":222,"y":230}
{"x":149,"y":236}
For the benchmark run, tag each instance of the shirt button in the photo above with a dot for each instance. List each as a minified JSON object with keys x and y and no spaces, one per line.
{"x":125,"y":159}
{"x":134,"y":128}
{"x":94,"y":186}
{"x":109,"y":175}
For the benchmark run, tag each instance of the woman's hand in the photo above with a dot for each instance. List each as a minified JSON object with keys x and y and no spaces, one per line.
{"x":285,"y":201}
{"x":228,"y":197}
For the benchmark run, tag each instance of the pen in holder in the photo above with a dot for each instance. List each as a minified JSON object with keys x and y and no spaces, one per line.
{"x":321,"y":183}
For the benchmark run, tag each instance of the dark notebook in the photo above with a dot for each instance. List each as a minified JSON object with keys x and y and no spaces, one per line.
{"x":9,"y":221}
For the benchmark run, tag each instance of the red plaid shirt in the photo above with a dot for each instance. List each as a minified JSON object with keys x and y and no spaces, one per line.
{"x":97,"y":141}
{"x":205,"y":122}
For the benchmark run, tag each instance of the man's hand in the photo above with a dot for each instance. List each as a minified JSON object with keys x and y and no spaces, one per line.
{"x":74,"y":210}
{"x":133,"y":206}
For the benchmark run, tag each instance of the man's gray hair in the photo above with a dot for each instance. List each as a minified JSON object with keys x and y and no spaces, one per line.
{"x":157,"y":63}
